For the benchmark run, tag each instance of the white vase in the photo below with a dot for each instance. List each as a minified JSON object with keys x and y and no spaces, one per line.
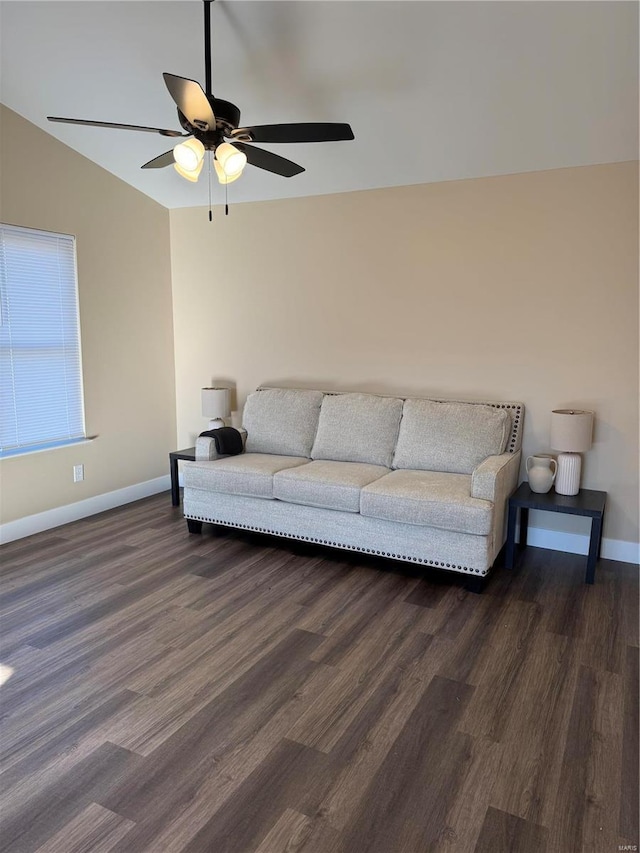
{"x":541,"y":475}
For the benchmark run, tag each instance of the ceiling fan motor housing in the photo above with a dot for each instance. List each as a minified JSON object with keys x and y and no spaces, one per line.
{"x":227,"y":119}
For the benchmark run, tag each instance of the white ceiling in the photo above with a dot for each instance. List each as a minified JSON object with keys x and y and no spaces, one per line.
{"x":434,"y":91}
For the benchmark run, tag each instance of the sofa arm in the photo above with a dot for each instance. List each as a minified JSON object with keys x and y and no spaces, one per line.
{"x":494,"y":480}
{"x":495,"y":472}
{"x":206,"y":447}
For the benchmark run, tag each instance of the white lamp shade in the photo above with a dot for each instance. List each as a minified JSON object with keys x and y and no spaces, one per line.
{"x":190,"y":175}
{"x":231,"y":159}
{"x":189,"y":154}
{"x":216,"y":403}
{"x":223,"y":178}
{"x":571,"y":430}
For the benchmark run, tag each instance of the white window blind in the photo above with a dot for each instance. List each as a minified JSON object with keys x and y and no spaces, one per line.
{"x":41,"y":402}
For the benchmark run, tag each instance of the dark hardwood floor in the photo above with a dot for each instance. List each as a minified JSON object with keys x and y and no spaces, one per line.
{"x":226,"y":693}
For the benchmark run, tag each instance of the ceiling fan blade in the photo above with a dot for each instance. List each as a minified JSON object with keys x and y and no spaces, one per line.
{"x":305,"y":132}
{"x":117,"y":126}
{"x":268,"y":161}
{"x":166,"y":159}
{"x":191,"y":100}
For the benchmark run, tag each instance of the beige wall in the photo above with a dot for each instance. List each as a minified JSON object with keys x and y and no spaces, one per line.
{"x":520,"y":287}
{"x":126,"y":320}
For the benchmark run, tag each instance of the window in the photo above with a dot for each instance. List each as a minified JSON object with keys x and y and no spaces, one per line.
{"x":41,"y":403}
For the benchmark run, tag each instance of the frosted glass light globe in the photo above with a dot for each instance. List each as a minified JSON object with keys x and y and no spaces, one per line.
{"x":189,"y":154}
{"x":231,"y":159}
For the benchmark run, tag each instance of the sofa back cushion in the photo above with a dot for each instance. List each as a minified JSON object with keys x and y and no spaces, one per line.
{"x":281,"y":421}
{"x":449,"y":437}
{"x":357,"y":428}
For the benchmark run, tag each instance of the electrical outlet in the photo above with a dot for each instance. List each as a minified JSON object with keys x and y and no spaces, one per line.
{"x":78,"y":473}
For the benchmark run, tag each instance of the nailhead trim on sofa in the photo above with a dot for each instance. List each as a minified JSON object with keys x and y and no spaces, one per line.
{"x":402,"y":557}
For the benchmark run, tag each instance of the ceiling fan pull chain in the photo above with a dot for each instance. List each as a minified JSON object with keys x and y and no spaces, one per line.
{"x":209,"y":177}
{"x":226,"y":199}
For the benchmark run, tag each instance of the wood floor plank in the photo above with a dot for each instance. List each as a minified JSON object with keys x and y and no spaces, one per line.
{"x":629,"y":789}
{"x":407,"y":801}
{"x":293,"y":776}
{"x":387,"y":712}
{"x":40,"y":745}
{"x":24,"y":623}
{"x":603,"y":644}
{"x":72,"y":574}
{"x":291,"y":773}
{"x":197,"y":747}
{"x":294,"y":833}
{"x":467,"y":810}
{"x":498,"y":675}
{"x":236,"y":693}
{"x":502,"y":832}
{"x":627,"y":577}
{"x":94,"y":669}
{"x":94,"y":830}
{"x":324,"y":724}
{"x":470,"y":624}
{"x":173,"y":706}
{"x":328,"y":609}
{"x":28,"y":823}
{"x":118,"y":601}
{"x":228,"y":645}
{"x":431,"y":588}
{"x":231,"y":770}
{"x":534,"y":741}
{"x":587,"y":804}
{"x":450,"y":614}
{"x":381,"y":613}
{"x":561,"y":592}
{"x":26,"y":551}
{"x":322,"y":578}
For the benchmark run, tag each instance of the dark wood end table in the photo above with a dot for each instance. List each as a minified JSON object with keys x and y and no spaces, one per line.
{"x":188,"y":454}
{"x":587,"y":502}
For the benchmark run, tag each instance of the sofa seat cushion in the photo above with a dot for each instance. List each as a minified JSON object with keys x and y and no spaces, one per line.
{"x":281,"y":421}
{"x":449,"y":436}
{"x":428,"y":498}
{"x":327,"y":484}
{"x":249,"y":474}
{"x":358,"y":428}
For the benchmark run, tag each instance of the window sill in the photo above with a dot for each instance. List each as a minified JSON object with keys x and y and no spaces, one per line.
{"x":29,"y":451}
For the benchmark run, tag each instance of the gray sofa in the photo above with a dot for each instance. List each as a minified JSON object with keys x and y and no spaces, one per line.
{"x":419,"y":480}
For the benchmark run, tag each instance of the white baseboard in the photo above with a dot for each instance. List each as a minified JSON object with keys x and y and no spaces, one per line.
{"x":539,"y":537}
{"x":575,"y":543}
{"x":30,"y":524}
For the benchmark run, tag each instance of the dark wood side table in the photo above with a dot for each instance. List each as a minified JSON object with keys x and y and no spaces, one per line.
{"x":587,"y":502}
{"x":188,"y":454}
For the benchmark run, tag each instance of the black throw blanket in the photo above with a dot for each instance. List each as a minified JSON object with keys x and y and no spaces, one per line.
{"x":228,"y":440}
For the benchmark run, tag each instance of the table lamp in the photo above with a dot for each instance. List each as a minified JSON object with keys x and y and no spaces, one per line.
{"x":571,"y":435}
{"x":216,"y":405}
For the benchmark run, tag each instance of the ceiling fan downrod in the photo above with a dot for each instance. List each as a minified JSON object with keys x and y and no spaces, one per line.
{"x":207,"y":48}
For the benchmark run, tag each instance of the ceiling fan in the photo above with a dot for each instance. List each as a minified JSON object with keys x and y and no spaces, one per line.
{"x":209,"y":122}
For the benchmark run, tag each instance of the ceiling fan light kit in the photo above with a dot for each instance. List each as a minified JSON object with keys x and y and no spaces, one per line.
{"x":209,"y":121}
{"x":223,"y":178}
{"x":231,"y":159}
{"x":190,"y":174}
{"x":189,"y":154}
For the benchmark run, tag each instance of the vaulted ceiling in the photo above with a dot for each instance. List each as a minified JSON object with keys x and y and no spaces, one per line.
{"x":434,"y":91}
